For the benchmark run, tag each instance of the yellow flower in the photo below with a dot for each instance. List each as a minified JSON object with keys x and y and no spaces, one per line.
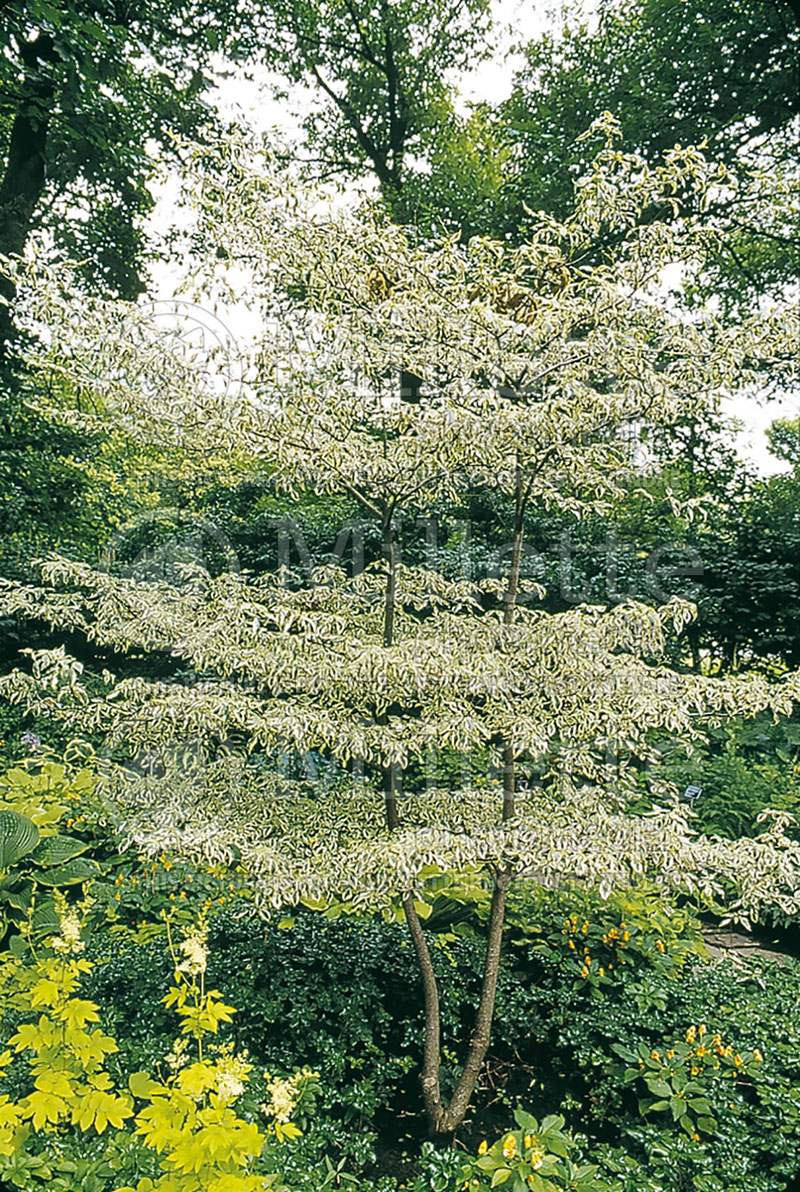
{"x":483,"y":1148}
{"x":691,"y":1035}
{"x":601,"y":972}
{"x":537,"y":1159}
{"x":659,"y":946}
{"x":701,"y":1030}
{"x":757,"y":1056}
{"x":510,"y":1147}
{"x":584,"y":971}
{"x":654,"y":1055}
{"x":737,"y":1059}
{"x":572,"y":945}
{"x":670,"y":1054}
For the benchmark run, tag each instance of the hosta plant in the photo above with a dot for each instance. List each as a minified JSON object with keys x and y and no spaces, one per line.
{"x":32,"y":864}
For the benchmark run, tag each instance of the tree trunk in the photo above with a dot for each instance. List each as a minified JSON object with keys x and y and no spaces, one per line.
{"x":444,"y":1120}
{"x":24,"y":176}
{"x":389,"y":771}
{"x":431,"y":1053}
{"x":509,"y":611}
{"x":454,"y":1113}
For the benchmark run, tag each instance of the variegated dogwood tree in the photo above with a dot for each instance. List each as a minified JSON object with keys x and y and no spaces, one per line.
{"x":529,"y":370}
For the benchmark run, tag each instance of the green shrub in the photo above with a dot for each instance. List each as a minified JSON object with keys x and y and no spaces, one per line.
{"x":343,"y":996}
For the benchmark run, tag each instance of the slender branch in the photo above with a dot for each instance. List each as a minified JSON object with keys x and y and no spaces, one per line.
{"x":454,"y":1113}
{"x":371,"y":150}
{"x":429,"y":1078}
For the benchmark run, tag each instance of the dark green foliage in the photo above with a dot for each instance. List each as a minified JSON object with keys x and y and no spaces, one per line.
{"x":84,"y":87}
{"x":745,"y":767}
{"x":43,"y":484}
{"x":344,"y":997}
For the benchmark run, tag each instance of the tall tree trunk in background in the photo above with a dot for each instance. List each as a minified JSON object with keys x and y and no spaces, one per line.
{"x":24,"y":175}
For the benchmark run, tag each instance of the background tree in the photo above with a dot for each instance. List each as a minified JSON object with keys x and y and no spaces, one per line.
{"x":86,"y":90}
{"x":382,"y":72}
{"x":672,"y":74}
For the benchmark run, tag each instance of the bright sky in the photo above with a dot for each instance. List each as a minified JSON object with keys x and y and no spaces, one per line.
{"x":491,"y":81}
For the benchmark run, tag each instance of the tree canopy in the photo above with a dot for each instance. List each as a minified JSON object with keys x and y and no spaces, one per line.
{"x":537,"y":374}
